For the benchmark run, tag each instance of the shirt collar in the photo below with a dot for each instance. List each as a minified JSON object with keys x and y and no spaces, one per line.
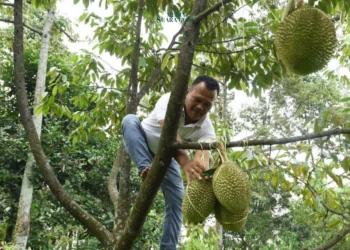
{"x":199,"y":123}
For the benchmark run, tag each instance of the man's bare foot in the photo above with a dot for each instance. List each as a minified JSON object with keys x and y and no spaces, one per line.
{"x":144,"y":173}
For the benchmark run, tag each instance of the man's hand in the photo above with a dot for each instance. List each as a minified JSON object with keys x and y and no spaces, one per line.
{"x":193,"y":169}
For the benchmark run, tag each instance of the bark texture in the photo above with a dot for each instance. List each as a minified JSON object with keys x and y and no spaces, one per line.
{"x":93,"y":226}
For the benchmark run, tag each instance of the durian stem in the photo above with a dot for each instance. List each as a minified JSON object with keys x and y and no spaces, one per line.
{"x":289,"y":8}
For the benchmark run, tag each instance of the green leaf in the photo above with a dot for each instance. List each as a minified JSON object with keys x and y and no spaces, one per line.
{"x":142,"y":62}
{"x":165,"y":60}
{"x":333,"y":223}
{"x":345,"y":99}
{"x":54,"y":90}
{"x":86,"y":3}
{"x":209,"y":172}
{"x":39,"y":110}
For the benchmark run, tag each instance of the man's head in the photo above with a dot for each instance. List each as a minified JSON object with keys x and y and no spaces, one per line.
{"x":200,"y":98}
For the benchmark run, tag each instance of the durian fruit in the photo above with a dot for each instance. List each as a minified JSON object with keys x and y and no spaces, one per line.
{"x":306,"y":40}
{"x":199,"y":201}
{"x":231,"y":221}
{"x":231,"y":187}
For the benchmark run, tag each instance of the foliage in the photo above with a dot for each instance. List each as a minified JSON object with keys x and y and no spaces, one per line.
{"x":199,"y":238}
{"x":86,"y":102}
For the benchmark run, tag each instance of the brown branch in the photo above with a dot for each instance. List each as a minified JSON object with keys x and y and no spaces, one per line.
{"x":225,"y":53}
{"x":164,"y":154}
{"x":214,"y":52}
{"x":208,"y":146}
{"x":223,"y":20}
{"x":340,"y":235}
{"x":212,"y":9}
{"x":24,"y":24}
{"x":157,"y":70}
{"x":64,"y":32}
{"x":94,"y":226}
{"x":313,"y":191}
{"x":133,"y":84}
{"x":225,"y":41}
{"x":7,"y":4}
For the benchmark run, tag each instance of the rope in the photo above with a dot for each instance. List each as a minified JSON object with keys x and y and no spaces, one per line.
{"x":193,"y":205}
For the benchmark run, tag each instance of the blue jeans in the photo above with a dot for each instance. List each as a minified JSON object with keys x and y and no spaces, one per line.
{"x":172,"y":185}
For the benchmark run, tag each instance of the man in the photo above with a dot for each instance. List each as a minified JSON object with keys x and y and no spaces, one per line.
{"x":141,"y":141}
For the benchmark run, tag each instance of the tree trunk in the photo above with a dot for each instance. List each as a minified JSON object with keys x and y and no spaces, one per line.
{"x":165,"y":152}
{"x":219,"y":231}
{"x":22,"y":228}
{"x":94,"y":227}
{"x":121,"y":199}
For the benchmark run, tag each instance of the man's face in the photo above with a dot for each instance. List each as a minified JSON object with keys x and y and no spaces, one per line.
{"x":198,"y":102}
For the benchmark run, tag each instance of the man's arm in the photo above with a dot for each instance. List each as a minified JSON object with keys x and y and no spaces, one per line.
{"x":192,"y":168}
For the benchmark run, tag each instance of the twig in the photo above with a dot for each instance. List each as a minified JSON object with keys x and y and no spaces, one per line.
{"x":340,"y":235}
{"x":157,"y":70}
{"x":7,"y":4}
{"x":225,"y":41}
{"x":212,"y":9}
{"x":24,"y":24}
{"x":64,"y":32}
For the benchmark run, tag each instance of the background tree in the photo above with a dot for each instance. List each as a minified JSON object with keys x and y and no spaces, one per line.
{"x":253,"y":74}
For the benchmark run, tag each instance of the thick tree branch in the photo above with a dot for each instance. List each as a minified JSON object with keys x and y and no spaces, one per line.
{"x":94,"y":227}
{"x":165,"y":152}
{"x":247,"y":143}
{"x":335,"y":240}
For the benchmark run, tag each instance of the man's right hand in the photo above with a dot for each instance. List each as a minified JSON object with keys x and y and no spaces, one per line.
{"x":193,"y":170}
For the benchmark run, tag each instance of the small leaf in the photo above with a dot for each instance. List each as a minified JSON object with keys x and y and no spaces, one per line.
{"x":346,"y":99}
{"x":333,"y":223}
{"x":209,"y":172}
{"x":165,"y":60}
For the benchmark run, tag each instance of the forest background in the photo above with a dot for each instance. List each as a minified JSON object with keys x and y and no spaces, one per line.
{"x":65,"y":179}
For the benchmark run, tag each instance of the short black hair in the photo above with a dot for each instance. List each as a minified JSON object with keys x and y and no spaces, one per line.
{"x":210,"y":83}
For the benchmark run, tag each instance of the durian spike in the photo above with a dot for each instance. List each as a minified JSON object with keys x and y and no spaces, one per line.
{"x":289,"y":8}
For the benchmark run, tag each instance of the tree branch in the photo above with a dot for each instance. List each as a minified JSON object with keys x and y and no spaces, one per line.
{"x":212,"y":9}
{"x":7,"y":4}
{"x":335,"y":240}
{"x":165,"y":152}
{"x":64,"y":32}
{"x":157,"y":70}
{"x":225,"y":41}
{"x":24,"y":24}
{"x":208,"y":146}
{"x":225,"y":53}
{"x":223,"y":20}
{"x":94,"y":226}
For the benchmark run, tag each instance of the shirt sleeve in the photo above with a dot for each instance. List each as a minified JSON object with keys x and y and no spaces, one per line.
{"x":161,"y":107}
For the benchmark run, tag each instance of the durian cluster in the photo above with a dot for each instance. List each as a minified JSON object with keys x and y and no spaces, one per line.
{"x":306,"y":40}
{"x":227,"y":194}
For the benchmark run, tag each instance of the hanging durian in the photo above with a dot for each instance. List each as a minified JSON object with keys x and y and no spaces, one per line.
{"x":305,"y":40}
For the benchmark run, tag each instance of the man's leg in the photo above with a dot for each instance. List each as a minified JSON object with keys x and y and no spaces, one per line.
{"x":135,"y":142}
{"x":173,"y":191}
